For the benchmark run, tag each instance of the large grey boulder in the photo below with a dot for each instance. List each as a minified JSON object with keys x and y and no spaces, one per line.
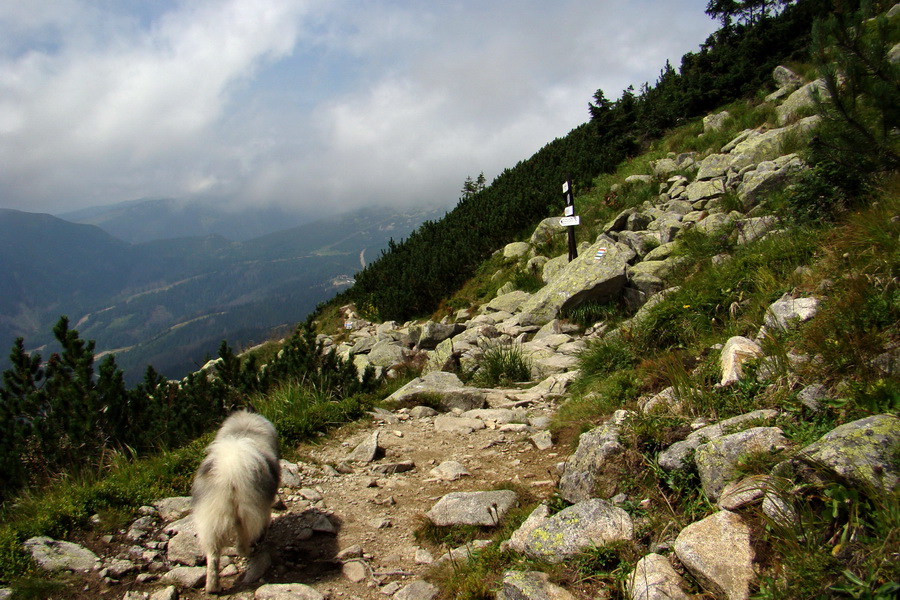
{"x":717,"y":460}
{"x":509,"y":302}
{"x":56,"y":555}
{"x":595,"y":468}
{"x":717,"y":551}
{"x":590,"y":277}
{"x":677,"y":457}
{"x":530,"y":585}
{"x":801,"y":99}
{"x":788,"y":312}
{"x":432,"y":333}
{"x":705,"y":190}
{"x":576,"y":528}
{"x":767,"y":178}
{"x":442,"y":388}
{"x":485,"y":509}
{"x":653,"y":578}
{"x":516,"y":249}
{"x":715,"y":122}
{"x":546,"y":230}
{"x":760,"y":146}
{"x":863,"y":452}
{"x":386,"y":353}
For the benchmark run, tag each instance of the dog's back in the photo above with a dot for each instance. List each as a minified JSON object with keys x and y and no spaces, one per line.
{"x":235,"y":487}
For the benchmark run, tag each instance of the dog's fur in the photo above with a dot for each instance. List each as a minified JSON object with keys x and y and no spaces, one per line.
{"x":234,"y":489}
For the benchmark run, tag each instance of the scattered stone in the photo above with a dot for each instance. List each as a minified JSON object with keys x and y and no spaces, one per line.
{"x":367,"y":450}
{"x":449,"y":470}
{"x":417,"y":590}
{"x":286,"y":591}
{"x":185,"y":577}
{"x":355,"y":571}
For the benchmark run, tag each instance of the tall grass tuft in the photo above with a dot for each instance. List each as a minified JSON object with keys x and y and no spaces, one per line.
{"x":502,"y":364}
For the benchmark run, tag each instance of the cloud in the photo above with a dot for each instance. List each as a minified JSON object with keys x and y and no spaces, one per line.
{"x":305,"y":101}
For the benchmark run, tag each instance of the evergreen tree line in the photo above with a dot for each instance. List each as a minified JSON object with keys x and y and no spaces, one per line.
{"x":411,"y":277}
{"x":62,"y":415}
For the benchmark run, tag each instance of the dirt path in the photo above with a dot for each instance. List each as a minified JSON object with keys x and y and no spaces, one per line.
{"x":379,"y":512}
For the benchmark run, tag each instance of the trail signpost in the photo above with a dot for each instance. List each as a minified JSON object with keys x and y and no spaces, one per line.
{"x":570,"y":220}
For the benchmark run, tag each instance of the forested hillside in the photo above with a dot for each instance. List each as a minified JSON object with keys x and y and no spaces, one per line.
{"x":412,"y":277}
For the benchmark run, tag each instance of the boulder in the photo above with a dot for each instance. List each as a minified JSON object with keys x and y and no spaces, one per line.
{"x":788,"y":312}
{"x":386,"y":353}
{"x":484,"y":509}
{"x":431,"y":334}
{"x":717,"y":460}
{"x":417,"y":590}
{"x":367,"y":450}
{"x":718,"y":552}
{"x":56,"y":555}
{"x":801,"y":99}
{"x":863,"y":452}
{"x":653,"y":578}
{"x":715,"y":122}
{"x":736,"y":352}
{"x":760,"y":146}
{"x":286,"y":591}
{"x":516,"y":249}
{"x":530,"y":585}
{"x":546,"y":229}
{"x":704,"y":190}
{"x":596,"y":275}
{"x":509,"y":302}
{"x":678,"y":455}
{"x":593,"y":470}
{"x":444,"y":389}
{"x":767,"y":178}
{"x":574,"y":529}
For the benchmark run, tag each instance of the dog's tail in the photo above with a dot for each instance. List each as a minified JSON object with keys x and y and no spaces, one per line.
{"x":233,"y":494}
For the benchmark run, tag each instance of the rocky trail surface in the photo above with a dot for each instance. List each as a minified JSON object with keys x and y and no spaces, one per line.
{"x":348,"y":509}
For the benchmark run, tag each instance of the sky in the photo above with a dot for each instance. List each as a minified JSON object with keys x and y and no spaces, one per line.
{"x":306,"y":103}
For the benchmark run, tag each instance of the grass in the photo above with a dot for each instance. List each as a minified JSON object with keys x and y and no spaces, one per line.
{"x":502,"y":364}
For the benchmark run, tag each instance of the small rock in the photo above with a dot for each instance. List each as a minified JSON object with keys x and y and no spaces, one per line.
{"x":355,"y":571}
{"x":417,"y":590}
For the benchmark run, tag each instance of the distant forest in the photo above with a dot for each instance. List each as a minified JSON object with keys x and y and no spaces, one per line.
{"x":413,"y":275}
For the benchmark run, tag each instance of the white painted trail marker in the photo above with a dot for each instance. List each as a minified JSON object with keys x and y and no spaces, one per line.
{"x":600,"y":254}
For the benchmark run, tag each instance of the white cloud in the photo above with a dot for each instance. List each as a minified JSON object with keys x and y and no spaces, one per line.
{"x":300,"y":101}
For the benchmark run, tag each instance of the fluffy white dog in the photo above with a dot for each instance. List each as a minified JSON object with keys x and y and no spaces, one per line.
{"x":234,"y":489}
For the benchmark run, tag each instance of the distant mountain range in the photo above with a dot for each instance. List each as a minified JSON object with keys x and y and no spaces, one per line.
{"x":149,"y":219}
{"x":170,"y":302}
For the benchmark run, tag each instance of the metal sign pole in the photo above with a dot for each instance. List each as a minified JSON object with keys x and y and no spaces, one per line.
{"x":570,"y":218}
